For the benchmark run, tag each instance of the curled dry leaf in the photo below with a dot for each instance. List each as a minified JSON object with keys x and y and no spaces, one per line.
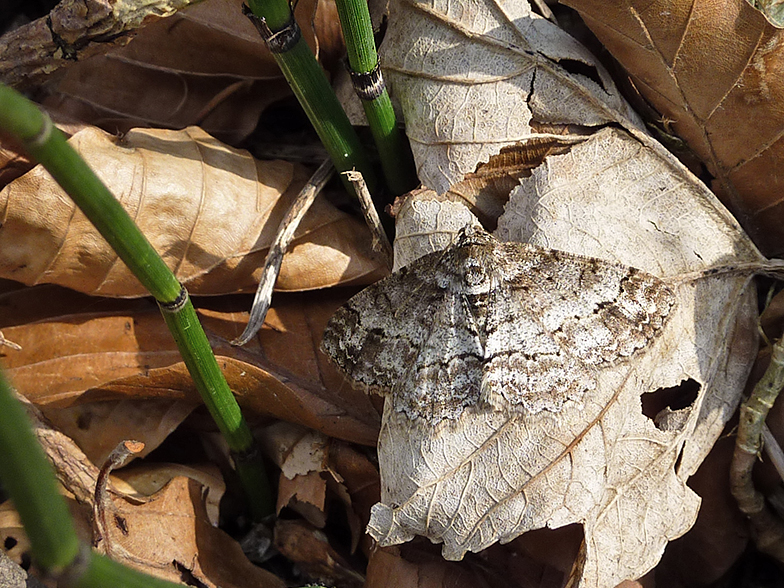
{"x":474,"y":77}
{"x":210,"y":210}
{"x":98,"y":427}
{"x":76,"y":349}
{"x":137,"y":483}
{"x":713,"y":71}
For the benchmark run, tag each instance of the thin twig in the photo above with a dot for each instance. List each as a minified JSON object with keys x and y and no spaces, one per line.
{"x":380,"y":242}
{"x":102,"y":501}
{"x":284,"y":237}
{"x":7,"y":343}
{"x":768,"y":529}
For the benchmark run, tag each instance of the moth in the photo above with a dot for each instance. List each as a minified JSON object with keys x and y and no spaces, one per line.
{"x":509,"y":326}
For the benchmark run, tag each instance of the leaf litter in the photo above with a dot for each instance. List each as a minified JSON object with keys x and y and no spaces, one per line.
{"x":543,"y":221}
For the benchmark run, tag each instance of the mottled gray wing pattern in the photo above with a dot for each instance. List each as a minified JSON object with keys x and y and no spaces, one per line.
{"x":411,"y":335}
{"x":555,"y":318}
{"x":376,"y":336}
{"x":503,"y":324}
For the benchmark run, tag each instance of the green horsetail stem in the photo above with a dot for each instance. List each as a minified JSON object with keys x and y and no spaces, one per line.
{"x":365,"y":69}
{"x":46,"y":144}
{"x":29,"y":480}
{"x":275,"y":22}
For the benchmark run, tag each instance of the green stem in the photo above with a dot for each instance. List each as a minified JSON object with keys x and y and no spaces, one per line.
{"x":397,"y":160}
{"x":315,"y":95}
{"x":29,"y":480}
{"x":48,"y":146}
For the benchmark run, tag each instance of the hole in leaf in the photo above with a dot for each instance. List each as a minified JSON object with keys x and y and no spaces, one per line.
{"x":663,"y":404}
{"x":583,"y":69}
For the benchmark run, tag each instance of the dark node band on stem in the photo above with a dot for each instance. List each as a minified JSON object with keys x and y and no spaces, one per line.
{"x":279,"y":41}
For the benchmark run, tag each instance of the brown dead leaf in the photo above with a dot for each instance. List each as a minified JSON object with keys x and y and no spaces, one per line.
{"x":210,"y":210}
{"x":419,"y":565}
{"x":77,"y":349}
{"x":13,"y":161}
{"x":205,"y":65}
{"x":170,"y":536}
{"x":355,"y":481}
{"x":713,"y":71}
{"x":98,"y":427}
{"x":310,"y":550}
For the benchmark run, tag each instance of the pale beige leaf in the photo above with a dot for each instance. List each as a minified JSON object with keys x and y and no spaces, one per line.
{"x":474,"y":77}
{"x":607,"y":463}
{"x":603,"y":463}
{"x":210,"y":210}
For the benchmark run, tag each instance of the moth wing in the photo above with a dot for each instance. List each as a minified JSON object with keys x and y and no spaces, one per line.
{"x":557,"y":317}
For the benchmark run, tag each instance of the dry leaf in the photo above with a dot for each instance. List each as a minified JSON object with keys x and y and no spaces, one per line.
{"x":771,"y":10}
{"x":605,"y":463}
{"x":205,"y":65}
{"x":144,"y":480}
{"x":167,"y":534}
{"x":78,"y":349}
{"x":310,"y":549}
{"x":474,"y":77}
{"x":416,"y":566}
{"x":720,"y":535}
{"x":98,"y":427}
{"x":170,"y":536}
{"x":301,"y":455}
{"x":713,"y":71}
{"x":617,"y":195}
{"x":355,"y":481}
{"x":210,"y":210}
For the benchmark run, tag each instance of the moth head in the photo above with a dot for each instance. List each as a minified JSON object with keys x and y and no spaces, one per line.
{"x":472,"y":247}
